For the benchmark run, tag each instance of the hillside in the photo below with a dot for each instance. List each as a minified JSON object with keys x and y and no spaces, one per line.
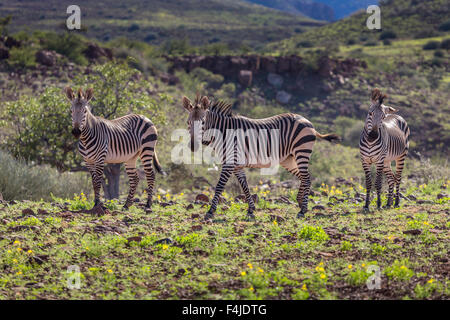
{"x":157,"y":21}
{"x":328,"y":10}
{"x":401,"y":18}
{"x":309,"y":8}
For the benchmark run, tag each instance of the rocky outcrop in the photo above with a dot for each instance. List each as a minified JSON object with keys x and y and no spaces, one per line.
{"x":46,"y":57}
{"x":245,"y":78}
{"x":231,"y":66}
{"x":95,"y":52}
{"x":4,"y":53}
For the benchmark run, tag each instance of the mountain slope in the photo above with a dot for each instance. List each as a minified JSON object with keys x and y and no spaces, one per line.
{"x":309,"y":8}
{"x":155,"y":21}
{"x":404,"y":18}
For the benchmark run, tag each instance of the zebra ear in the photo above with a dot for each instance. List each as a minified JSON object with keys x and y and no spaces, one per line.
{"x":69,"y":93}
{"x":80,"y":94}
{"x":205,"y":102}
{"x":89,"y":93}
{"x":381,"y":98}
{"x":187,"y":104}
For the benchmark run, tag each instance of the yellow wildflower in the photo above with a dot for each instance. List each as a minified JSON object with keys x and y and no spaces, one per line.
{"x":251,"y":289}
{"x":350,"y":266}
{"x":109,"y":271}
{"x":260,"y":270}
{"x":304,"y":288}
{"x":250,"y":266}
{"x":243,"y":273}
{"x":322,"y":276}
{"x":430,"y":281}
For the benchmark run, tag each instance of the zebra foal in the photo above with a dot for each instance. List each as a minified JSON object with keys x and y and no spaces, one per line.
{"x":292,"y":145}
{"x":385,"y":138}
{"x":121,"y":140}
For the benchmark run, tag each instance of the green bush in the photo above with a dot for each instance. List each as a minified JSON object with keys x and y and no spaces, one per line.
{"x":445,"y":26}
{"x":445,"y":44}
{"x":68,"y":44}
{"x":388,"y":35}
{"x":431,"y":45}
{"x":22,"y":57}
{"x":19,"y":181}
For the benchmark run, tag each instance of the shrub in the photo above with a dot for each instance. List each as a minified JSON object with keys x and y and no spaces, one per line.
{"x":371,"y":43}
{"x":19,"y":181}
{"x":445,"y":26}
{"x":431,"y":45}
{"x":387,"y":42}
{"x":445,"y":44}
{"x":22,"y":57}
{"x":388,"y":35}
{"x":68,"y":44}
{"x":439,"y":53}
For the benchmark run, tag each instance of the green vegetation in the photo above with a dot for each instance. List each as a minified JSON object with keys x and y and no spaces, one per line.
{"x":19,"y":181}
{"x":157,"y":21}
{"x":276,"y":257}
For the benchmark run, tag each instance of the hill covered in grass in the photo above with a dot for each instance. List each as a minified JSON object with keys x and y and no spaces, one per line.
{"x":157,"y":21}
{"x":405,"y":19}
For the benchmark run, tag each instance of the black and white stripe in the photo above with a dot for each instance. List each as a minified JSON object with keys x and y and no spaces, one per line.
{"x":385,"y":138}
{"x":295,"y":142}
{"x":121,"y":140}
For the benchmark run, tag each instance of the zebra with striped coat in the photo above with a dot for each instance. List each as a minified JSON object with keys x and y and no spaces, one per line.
{"x":295,"y":142}
{"x":121,"y":140}
{"x":385,"y":138}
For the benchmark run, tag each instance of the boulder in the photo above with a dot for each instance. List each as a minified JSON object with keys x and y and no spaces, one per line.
{"x":245,"y":78}
{"x":283,"y":97}
{"x":46,"y":57}
{"x":275,"y":80}
{"x":95,"y":52}
{"x":269,"y":64}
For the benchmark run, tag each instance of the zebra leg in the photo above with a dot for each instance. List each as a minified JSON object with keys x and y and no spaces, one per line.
{"x":391,"y":183}
{"x":366,"y":167}
{"x":227,"y":170}
{"x":398,"y":178}
{"x":378,"y":182}
{"x":240,"y":175}
{"x":133,"y":177}
{"x":150,"y":175}
{"x":96,"y":170}
{"x":291,"y":165}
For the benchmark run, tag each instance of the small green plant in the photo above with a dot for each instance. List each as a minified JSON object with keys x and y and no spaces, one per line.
{"x":313,"y":233}
{"x":426,"y":290}
{"x":399,"y":271}
{"x":377,"y":249}
{"x":346,"y":245}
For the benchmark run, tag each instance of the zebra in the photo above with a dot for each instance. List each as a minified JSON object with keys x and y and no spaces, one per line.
{"x":296,"y":139}
{"x":121,"y":140}
{"x":384,"y":138}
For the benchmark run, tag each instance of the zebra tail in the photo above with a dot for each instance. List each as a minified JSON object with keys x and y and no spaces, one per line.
{"x":157,"y":165}
{"x":329,"y":137}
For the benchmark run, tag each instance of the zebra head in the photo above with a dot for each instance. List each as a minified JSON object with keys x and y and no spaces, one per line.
{"x":196,"y":120}
{"x":79,"y":108}
{"x":377,"y":112}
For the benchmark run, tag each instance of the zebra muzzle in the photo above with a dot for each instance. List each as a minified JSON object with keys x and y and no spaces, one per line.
{"x":76,"y":132}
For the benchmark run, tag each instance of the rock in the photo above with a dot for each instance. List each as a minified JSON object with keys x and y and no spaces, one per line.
{"x":4,"y":53}
{"x":46,"y":57}
{"x":190,"y":206}
{"x":27,"y":212}
{"x":135,"y":239}
{"x":413,"y":232}
{"x":170,"y":79}
{"x":441,"y":196}
{"x":245,"y":78}
{"x":275,"y":80}
{"x":278,"y":219}
{"x":202,"y":198}
{"x":283,"y":97}
{"x":269,"y":64}
{"x":319,"y":207}
{"x":95,"y":52}
{"x":195,"y":216}
{"x":197,"y":228}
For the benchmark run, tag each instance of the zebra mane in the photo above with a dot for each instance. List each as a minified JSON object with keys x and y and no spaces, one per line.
{"x":222,"y":108}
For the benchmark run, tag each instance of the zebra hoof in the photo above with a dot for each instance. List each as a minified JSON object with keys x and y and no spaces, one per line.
{"x":300,"y":215}
{"x":366,"y":210}
{"x":250,"y":217}
{"x":209,"y":216}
